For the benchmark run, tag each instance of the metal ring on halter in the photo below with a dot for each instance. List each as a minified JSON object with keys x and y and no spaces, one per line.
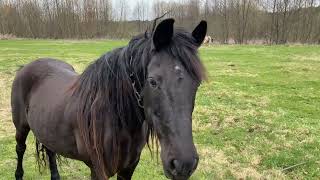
{"x":133,"y":84}
{"x":137,"y":95}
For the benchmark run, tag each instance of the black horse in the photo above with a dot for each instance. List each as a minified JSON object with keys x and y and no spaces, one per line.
{"x":105,"y":116}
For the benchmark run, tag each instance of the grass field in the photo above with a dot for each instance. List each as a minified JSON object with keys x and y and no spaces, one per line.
{"x":258,"y":114}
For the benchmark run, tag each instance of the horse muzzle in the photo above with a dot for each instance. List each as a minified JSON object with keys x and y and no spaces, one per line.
{"x":181,"y":169}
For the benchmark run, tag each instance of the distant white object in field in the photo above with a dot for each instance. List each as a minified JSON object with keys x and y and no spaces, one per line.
{"x":208,"y":40}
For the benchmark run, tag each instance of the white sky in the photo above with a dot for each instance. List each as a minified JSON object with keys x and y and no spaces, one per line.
{"x":131,"y":5}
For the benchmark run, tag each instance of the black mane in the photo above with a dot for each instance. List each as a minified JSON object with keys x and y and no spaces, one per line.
{"x":105,"y":93}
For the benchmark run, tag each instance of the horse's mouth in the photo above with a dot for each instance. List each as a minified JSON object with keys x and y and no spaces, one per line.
{"x":167,"y":174}
{"x":170,"y":175}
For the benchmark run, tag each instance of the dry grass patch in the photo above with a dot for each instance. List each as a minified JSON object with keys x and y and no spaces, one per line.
{"x":7,"y":36}
{"x":6,"y":125}
{"x":222,"y":165}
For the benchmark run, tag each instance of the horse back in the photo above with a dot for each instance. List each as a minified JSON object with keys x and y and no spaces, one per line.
{"x":30,"y":76}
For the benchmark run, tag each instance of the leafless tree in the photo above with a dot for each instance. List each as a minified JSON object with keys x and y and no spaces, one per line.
{"x":140,"y":13}
{"x":239,"y":21}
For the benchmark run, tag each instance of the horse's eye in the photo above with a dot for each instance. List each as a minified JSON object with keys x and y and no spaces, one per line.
{"x":153,"y":83}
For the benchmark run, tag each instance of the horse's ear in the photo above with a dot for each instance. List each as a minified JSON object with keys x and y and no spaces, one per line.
{"x":199,"y":33}
{"x":163,"y":34}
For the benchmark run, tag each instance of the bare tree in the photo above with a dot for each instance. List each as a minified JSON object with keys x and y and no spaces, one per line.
{"x":241,"y":10}
{"x":140,"y":13}
{"x":278,"y":21}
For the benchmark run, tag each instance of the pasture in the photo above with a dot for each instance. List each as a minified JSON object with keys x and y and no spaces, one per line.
{"x":257,"y":116}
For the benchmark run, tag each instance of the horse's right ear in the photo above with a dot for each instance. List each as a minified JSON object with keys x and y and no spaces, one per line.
{"x":163,"y":34}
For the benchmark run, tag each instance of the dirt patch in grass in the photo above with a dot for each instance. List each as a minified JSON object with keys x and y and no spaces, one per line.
{"x":7,"y":36}
{"x":218,"y":161}
{"x":6,"y":127}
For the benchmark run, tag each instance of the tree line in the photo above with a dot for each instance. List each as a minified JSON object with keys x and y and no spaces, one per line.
{"x":229,"y":21}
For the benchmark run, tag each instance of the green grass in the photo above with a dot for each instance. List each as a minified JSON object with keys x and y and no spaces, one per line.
{"x":258,"y":113}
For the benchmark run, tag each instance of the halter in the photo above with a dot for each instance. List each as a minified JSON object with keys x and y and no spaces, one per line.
{"x":133,"y":77}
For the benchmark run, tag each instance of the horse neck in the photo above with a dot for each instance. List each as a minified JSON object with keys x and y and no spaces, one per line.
{"x":136,"y":72}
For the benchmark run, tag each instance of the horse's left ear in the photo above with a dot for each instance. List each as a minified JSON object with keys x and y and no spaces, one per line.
{"x":199,"y":33}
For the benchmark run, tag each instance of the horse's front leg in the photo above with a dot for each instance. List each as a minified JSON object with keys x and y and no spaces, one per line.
{"x":53,"y":165}
{"x":93,"y":174}
{"x":127,"y":173}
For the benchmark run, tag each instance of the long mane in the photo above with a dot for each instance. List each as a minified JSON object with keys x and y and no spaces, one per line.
{"x":104,"y":92}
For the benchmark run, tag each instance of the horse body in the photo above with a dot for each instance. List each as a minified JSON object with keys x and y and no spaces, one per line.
{"x":45,"y":86}
{"x":47,"y":82}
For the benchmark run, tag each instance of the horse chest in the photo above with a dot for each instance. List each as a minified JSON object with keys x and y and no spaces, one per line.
{"x":130,"y":147}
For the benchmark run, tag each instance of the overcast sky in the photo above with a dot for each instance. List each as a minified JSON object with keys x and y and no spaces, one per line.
{"x":131,"y":5}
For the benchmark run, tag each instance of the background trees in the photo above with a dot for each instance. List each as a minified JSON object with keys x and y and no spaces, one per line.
{"x":230,"y":21}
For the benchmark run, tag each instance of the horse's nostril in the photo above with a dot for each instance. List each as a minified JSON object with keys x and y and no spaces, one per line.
{"x":175,"y":166}
{"x":194,"y":166}
{"x":176,"y":163}
{"x":195,"y":163}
